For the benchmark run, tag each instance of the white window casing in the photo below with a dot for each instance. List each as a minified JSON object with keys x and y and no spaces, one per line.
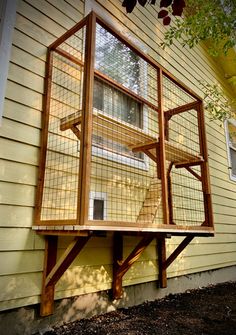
{"x":7,"y":23}
{"x":231,"y":148}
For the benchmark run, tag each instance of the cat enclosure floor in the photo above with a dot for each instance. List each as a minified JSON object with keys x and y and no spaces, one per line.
{"x":207,"y":311}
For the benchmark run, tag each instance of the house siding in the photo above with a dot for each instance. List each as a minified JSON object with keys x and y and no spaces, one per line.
{"x":39,"y":23}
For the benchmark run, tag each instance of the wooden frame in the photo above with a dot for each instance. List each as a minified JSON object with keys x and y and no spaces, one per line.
{"x":165,"y":154}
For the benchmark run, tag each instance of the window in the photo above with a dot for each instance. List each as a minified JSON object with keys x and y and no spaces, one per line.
{"x":230,"y":127}
{"x":120,"y":64}
{"x":97,"y":206}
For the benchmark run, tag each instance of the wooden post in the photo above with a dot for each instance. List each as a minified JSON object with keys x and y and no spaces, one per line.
{"x":170,"y":198}
{"x":86,"y":124}
{"x":205,"y":168}
{"x":117,"y":262}
{"x":50,"y":257}
{"x":161,"y":251}
{"x":44,"y":135}
{"x":161,"y":152}
{"x":124,"y":266}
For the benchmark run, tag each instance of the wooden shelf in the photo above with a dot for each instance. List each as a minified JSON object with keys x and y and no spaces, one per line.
{"x":174,"y":153}
{"x":109,"y":127}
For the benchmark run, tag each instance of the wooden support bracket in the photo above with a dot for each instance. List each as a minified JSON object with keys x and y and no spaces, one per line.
{"x":120,"y":266}
{"x":54,"y":270}
{"x":164,"y":263}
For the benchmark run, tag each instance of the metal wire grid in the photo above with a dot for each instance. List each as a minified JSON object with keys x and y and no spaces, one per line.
{"x":173,"y":95}
{"x":62,"y":158}
{"x":184,"y":132}
{"x":126,"y":181}
{"x":188,"y":204}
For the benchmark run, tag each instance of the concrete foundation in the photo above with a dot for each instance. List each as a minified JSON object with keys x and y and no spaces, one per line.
{"x":26,"y":320}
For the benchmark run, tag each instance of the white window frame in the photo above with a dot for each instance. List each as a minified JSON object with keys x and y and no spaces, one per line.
{"x":229,"y":146}
{"x":7,"y":23}
{"x":94,"y":195}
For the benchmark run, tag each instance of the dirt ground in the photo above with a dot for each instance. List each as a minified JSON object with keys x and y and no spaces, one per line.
{"x":206,"y":311}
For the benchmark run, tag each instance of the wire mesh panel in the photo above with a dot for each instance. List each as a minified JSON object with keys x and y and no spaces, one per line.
{"x":187,"y":196}
{"x":173,"y":95}
{"x":124,"y":114}
{"x":60,"y":191}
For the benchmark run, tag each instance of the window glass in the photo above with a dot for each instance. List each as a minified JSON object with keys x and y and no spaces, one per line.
{"x":98,"y":209}
{"x":117,"y":104}
{"x":119,"y":63}
{"x":231,"y":139}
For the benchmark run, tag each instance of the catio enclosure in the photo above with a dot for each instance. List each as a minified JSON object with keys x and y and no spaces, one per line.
{"x":123,"y":150}
{"x":123,"y":144}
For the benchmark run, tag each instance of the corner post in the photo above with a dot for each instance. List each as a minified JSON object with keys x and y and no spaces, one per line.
{"x":205,"y":168}
{"x":162,"y":153}
{"x":86,"y":124}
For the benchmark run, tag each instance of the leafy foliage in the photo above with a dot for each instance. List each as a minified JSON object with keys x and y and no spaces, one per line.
{"x":213,"y":20}
{"x":164,"y":13}
{"x":218,"y":107}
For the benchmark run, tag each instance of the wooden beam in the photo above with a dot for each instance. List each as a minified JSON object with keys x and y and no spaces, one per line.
{"x":50,"y":257}
{"x":186,"y":164}
{"x":66,"y":259}
{"x":161,"y":251}
{"x":181,"y":109}
{"x":69,"y":33}
{"x":121,"y":269}
{"x":177,"y":251}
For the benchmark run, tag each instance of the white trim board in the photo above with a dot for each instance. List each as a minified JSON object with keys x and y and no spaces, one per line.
{"x":7,"y":23}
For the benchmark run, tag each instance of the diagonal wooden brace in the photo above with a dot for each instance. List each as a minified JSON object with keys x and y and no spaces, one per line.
{"x":120,"y":267}
{"x":163,"y":263}
{"x":54,"y":270}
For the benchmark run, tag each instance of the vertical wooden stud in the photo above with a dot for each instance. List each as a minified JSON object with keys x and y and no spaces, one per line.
{"x":50,"y":257}
{"x":117,"y":261}
{"x":162,"y":160}
{"x":44,"y":135}
{"x":86,"y":124}
{"x":170,"y":198}
{"x":205,"y":168}
{"x":161,"y":251}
